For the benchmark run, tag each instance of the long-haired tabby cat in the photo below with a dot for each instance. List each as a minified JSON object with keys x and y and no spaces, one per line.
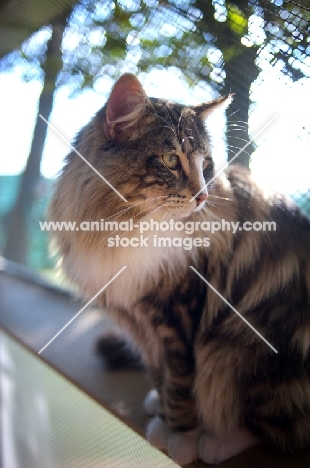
{"x":219,"y":387}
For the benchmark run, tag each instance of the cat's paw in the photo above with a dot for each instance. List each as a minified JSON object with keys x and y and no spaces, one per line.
{"x":157,"y":433}
{"x":151,"y":403}
{"x":182,"y":447}
{"x":215,"y":450}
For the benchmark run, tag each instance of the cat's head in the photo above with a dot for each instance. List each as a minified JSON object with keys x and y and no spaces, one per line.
{"x":154,"y":152}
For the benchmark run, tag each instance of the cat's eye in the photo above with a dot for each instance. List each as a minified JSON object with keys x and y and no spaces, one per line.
{"x":170,"y":160}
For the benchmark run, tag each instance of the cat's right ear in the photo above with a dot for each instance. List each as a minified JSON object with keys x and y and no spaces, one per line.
{"x":126,"y":105}
{"x":204,"y":110}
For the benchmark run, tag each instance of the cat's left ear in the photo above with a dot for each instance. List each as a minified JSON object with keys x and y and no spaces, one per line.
{"x":204,"y":110}
{"x":126,"y":105}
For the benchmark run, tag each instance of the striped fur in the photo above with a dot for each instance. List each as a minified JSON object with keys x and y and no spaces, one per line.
{"x":209,"y":367}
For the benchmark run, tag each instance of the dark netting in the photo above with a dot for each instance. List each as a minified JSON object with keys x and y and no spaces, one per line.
{"x":230,"y":46}
{"x":233,"y":46}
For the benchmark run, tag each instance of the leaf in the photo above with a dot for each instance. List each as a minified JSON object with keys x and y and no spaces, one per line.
{"x":237,"y":21}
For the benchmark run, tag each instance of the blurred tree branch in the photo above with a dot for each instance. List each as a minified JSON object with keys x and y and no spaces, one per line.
{"x":16,"y":244}
{"x":209,"y":41}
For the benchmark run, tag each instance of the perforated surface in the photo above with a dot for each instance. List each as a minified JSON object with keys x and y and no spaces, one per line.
{"x":48,"y":422}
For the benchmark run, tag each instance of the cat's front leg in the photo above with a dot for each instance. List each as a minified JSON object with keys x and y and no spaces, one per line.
{"x":175,"y":428}
{"x":152,"y":403}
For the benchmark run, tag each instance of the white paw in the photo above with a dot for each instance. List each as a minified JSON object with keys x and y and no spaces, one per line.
{"x":208,"y":449}
{"x":157,"y":433}
{"x":181,"y":447}
{"x":151,"y":403}
{"x":215,"y":450}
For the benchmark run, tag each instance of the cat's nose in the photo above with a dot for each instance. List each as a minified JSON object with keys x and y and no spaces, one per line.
{"x":201,"y":197}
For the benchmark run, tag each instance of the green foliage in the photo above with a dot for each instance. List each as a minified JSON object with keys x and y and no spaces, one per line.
{"x":197,"y":36}
{"x":236,"y":20}
{"x":216,"y":41}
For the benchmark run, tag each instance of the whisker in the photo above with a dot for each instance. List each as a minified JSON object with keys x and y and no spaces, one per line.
{"x":168,"y":213}
{"x":113,"y":232}
{"x":170,"y":119}
{"x":212,"y":215}
{"x":173,"y":211}
{"x":230,"y":115}
{"x":168,"y":126}
{"x":216,"y":203}
{"x":241,"y":139}
{"x":239,"y":121}
{"x":236,"y":148}
{"x":120,"y":236}
{"x":232,"y":125}
{"x":221,"y":198}
{"x":125,"y":232}
{"x":178,"y":128}
{"x":171,"y":122}
{"x":134,"y":206}
{"x":150,"y":214}
{"x":236,"y":130}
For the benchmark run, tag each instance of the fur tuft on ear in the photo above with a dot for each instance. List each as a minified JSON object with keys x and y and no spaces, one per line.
{"x":126,"y":104}
{"x":204,"y":110}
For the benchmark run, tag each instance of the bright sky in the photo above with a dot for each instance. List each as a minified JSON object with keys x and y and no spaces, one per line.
{"x":282,"y":159}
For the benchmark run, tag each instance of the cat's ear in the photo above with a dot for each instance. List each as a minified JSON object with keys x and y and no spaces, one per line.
{"x":204,"y":110}
{"x":126,"y":104}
